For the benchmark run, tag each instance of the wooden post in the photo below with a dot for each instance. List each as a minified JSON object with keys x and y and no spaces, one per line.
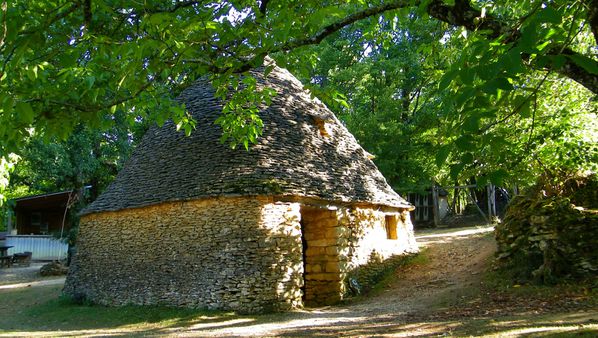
{"x":9,"y":222}
{"x":436,"y":206}
{"x":493,"y":199}
{"x":470,"y":196}
{"x":489,"y":200}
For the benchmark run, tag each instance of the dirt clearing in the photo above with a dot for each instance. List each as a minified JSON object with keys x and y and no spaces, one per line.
{"x":444,"y":292}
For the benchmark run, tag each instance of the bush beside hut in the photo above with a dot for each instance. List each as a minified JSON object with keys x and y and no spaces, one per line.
{"x":550,"y":233}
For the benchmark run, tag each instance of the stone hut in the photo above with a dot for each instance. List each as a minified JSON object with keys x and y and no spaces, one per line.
{"x":190,"y":222}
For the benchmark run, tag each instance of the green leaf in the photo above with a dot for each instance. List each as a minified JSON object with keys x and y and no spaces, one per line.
{"x":522,"y":105}
{"x":25,"y":112}
{"x":447,"y":78}
{"x":491,"y":87}
{"x":584,"y":62}
{"x":442,"y":155}
{"x":528,"y":40}
{"x":89,"y":81}
{"x":325,"y":14}
{"x":8,"y":105}
{"x":558,"y":61}
{"x":423,"y":7}
{"x":188,"y":129}
{"x":465,"y":94}
{"x":467,"y":158}
{"x":268,"y":70}
{"x":489,"y":71}
{"x":511,"y":61}
{"x":32,"y":73}
{"x":549,"y":14}
{"x":543,"y":45}
{"x":467,"y":75}
{"x":465,"y":142}
{"x":472,"y":123}
{"x":456,"y":170}
{"x":497,"y":177}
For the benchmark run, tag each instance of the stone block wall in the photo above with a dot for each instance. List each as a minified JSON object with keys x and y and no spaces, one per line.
{"x":323,"y":265}
{"x":369,"y":241}
{"x":368,"y":237}
{"x":341,"y":240}
{"x":242,"y":254}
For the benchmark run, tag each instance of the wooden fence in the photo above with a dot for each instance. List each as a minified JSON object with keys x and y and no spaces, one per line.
{"x":431,"y":207}
{"x":424,"y":207}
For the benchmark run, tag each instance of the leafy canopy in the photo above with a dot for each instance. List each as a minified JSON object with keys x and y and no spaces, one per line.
{"x":67,"y":63}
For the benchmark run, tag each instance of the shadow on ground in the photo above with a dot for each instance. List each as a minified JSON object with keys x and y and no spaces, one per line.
{"x":326,"y":322}
{"x":409,"y":306}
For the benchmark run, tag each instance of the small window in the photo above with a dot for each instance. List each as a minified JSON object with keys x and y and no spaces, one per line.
{"x":36,"y":219}
{"x":323,"y":126}
{"x":36,"y":223}
{"x":43,"y":229}
{"x":391,"y":226}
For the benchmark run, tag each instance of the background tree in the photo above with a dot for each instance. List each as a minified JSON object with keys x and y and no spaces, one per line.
{"x":543,"y":124}
{"x":88,"y":157}
{"x":384,"y":77}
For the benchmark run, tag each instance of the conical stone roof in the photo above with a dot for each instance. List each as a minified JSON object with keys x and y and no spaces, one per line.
{"x":304,"y":151}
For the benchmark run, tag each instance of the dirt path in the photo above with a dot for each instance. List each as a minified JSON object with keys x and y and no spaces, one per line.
{"x":443,"y":293}
{"x":26,"y":276}
{"x":456,"y":259}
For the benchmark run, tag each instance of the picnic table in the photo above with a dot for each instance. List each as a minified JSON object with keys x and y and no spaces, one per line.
{"x":5,"y":259}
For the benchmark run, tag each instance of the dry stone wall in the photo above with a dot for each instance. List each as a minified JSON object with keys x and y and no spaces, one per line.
{"x":342,"y":240}
{"x":368,"y":236}
{"x":323,"y":240}
{"x":372,"y":246}
{"x":369,"y":243}
{"x":242,"y":254}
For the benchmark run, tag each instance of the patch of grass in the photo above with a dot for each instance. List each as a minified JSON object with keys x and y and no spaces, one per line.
{"x":422,"y":258}
{"x":42,"y":308}
{"x":386,"y":273}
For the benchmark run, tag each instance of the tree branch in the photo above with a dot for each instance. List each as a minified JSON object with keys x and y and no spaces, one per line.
{"x":264,"y":7}
{"x":593,"y":17}
{"x":321,"y":35}
{"x":4,"y":7}
{"x":57,"y":17}
{"x":179,"y":5}
{"x":336,"y":26}
{"x":461,"y":14}
{"x":533,"y":94}
{"x":464,"y":15}
{"x":575,"y":72}
{"x":87,"y":16}
{"x":87,"y":108}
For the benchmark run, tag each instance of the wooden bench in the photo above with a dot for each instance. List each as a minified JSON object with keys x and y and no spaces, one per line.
{"x":22,"y":259}
{"x":6,"y":261}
